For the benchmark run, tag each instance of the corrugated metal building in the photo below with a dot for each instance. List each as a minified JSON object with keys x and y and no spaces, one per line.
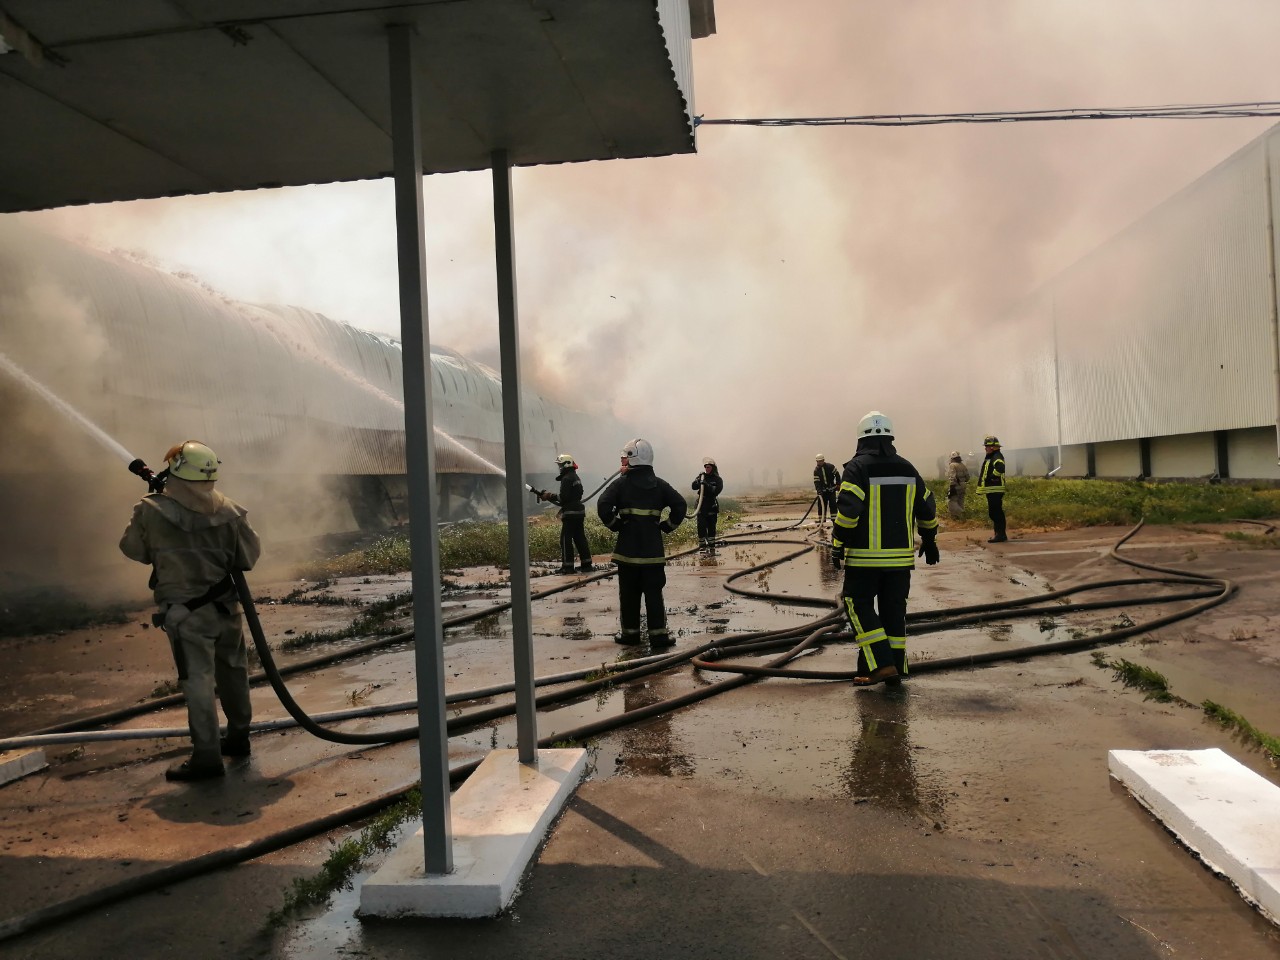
{"x":1157,"y":354}
{"x":306,"y":412}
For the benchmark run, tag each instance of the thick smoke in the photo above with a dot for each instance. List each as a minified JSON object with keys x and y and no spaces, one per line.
{"x":752,"y":301}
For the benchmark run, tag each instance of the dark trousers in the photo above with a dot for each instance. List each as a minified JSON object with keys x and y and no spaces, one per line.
{"x":875,"y":601}
{"x":995,"y":510}
{"x":707,"y":525}
{"x":573,"y":534}
{"x":636,"y":580}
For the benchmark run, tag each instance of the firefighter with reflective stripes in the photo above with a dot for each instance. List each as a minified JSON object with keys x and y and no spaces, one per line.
{"x":991,"y":483}
{"x":573,"y":516}
{"x":825,"y":483}
{"x":633,"y":506}
{"x":882,"y":503}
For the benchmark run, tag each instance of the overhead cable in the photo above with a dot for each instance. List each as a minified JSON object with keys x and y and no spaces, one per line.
{"x":1202,"y":111}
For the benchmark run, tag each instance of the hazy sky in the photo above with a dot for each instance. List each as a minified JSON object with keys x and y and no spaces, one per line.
{"x":751,"y":302}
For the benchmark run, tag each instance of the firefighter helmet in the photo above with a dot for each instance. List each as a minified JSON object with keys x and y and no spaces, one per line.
{"x":819,"y":457}
{"x":708,"y":462}
{"x":192,"y":460}
{"x":875,"y":424}
{"x":564,"y":460}
{"x":991,"y":440}
{"x":639,"y":453}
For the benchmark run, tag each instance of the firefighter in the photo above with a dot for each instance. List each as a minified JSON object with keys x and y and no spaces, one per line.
{"x":708,"y":485}
{"x":573,"y":516}
{"x":632,"y":506}
{"x":194,"y":538}
{"x":825,"y":483}
{"x":882,"y":503}
{"x":991,"y":483}
{"x":957,"y":479}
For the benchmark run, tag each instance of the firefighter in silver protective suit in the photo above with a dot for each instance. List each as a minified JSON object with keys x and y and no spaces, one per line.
{"x":194,"y":538}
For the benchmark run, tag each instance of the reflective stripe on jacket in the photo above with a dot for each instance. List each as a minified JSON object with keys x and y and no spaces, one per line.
{"x":632,"y":506}
{"x":825,"y":476}
{"x":883,"y":500}
{"x":569,"y":499}
{"x":991,"y":474}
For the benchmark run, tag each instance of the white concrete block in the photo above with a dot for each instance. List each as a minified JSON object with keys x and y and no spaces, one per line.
{"x":499,"y":817}
{"x":16,"y":764}
{"x":1219,"y":808}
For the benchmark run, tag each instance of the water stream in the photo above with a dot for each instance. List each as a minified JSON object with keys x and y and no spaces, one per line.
{"x":70,"y":412}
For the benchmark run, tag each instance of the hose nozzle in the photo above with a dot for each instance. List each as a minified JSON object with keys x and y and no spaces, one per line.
{"x":155,"y":482}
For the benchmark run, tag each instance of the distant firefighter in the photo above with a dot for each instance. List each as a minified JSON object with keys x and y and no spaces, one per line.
{"x":708,"y":486}
{"x":991,"y":483}
{"x":957,"y":479}
{"x":825,"y":483}
{"x":882,"y":503}
{"x":632,"y":506}
{"x":194,"y":538}
{"x":573,"y":516}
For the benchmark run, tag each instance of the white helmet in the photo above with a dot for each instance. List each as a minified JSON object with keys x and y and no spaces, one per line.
{"x":875,"y":424}
{"x":192,"y":460}
{"x":819,"y":457}
{"x":639,"y":453}
{"x":565,"y":460}
{"x":708,"y":462}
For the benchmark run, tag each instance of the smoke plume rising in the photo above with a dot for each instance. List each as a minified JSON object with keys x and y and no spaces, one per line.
{"x":753,"y":301}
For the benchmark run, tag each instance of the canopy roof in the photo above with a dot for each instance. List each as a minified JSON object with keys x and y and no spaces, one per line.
{"x":132,"y":99}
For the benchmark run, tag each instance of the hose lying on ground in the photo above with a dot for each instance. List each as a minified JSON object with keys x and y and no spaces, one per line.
{"x":810,"y":634}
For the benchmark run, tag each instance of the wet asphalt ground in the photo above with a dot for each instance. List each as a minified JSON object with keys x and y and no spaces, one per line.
{"x":966,"y":814}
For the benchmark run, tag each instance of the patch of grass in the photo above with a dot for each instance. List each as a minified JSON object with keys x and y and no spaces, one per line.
{"x":1057,"y":504}
{"x":375,"y":620}
{"x":476,"y":544}
{"x":1152,"y":683}
{"x":166,"y":688}
{"x":345,"y":860}
{"x":1242,"y":727}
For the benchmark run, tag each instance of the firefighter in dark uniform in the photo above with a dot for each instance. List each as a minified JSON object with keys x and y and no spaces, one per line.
{"x":573,"y":516}
{"x":708,"y":486}
{"x":825,"y":483}
{"x":882,"y":503}
{"x":632,"y":506}
{"x":991,"y":483}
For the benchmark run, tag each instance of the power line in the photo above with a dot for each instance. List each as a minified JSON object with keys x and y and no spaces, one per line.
{"x":1203,"y":111}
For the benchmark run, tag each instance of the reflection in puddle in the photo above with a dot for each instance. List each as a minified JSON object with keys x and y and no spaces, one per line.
{"x":882,"y":766}
{"x":650,"y":748}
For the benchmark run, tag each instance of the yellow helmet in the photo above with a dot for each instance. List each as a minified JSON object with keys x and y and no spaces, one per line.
{"x":192,"y":460}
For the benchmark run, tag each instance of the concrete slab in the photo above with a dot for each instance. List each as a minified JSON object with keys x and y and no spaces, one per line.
{"x":499,"y":818}
{"x":16,"y":764}
{"x":1219,"y":808}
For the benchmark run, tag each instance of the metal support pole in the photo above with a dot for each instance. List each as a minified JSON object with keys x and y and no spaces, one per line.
{"x":513,"y":448}
{"x":1057,"y":383}
{"x":1271,"y":271}
{"x":419,"y":453}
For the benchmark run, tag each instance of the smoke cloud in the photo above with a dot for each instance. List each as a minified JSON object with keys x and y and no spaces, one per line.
{"x":753,"y":301}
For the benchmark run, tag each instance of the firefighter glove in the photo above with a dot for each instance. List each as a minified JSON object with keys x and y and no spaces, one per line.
{"x":837,"y":557}
{"x":928,"y":550}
